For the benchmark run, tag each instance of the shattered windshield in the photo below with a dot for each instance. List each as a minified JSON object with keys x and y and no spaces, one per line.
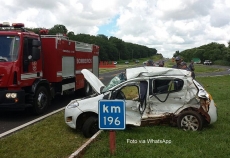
{"x":115,"y":81}
{"x":9,"y":46}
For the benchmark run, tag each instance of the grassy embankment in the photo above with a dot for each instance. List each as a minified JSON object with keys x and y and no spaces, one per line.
{"x":199,"y":68}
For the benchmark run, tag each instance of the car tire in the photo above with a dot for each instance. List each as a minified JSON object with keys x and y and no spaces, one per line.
{"x":90,"y":127}
{"x":190,"y":120}
{"x":41,"y":101}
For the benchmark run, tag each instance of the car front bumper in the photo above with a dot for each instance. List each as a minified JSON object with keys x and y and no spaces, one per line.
{"x":71,"y":115}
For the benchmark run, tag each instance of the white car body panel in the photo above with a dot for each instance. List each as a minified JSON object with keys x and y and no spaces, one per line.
{"x":133,"y":116}
{"x":187,"y":97}
{"x":90,"y":104}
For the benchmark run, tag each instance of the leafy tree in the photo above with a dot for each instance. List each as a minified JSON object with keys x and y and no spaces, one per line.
{"x":58,"y":29}
{"x":111,"y":48}
{"x":121,"y":47}
{"x":103,"y":37}
{"x":177,"y":53}
{"x":229,"y":44}
{"x":212,"y":51}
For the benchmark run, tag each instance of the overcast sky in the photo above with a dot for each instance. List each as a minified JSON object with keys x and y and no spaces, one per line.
{"x":167,"y":25}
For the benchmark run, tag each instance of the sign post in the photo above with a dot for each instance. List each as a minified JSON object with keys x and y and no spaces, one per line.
{"x":112,"y":117}
{"x":112,"y":141}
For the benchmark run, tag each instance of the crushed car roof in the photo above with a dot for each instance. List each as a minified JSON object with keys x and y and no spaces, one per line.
{"x":155,"y":71}
{"x":132,"y":73}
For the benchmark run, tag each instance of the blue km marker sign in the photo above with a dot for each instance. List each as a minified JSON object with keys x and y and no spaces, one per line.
{"x":111,"y":114}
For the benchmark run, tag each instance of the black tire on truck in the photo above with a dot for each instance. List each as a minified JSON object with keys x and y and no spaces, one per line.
{"x":41,"y":100}
{"x":90,"y":127}
{"x":85,"y":91}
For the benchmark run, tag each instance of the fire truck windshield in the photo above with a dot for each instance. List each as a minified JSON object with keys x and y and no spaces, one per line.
{"x":9,"y":46}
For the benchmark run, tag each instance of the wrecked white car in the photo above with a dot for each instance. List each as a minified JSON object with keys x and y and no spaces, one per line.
{"x":152,"y":95}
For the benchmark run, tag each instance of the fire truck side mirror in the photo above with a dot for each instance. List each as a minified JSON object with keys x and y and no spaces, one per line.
{"x":36,"y":50}
{"x":36,"y":43}
{"x":35,"y":53}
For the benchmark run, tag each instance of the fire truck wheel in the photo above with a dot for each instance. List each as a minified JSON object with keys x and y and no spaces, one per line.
{"x":41,"y":100}
{"x":87,"y":89}
{"x":90,"y":127}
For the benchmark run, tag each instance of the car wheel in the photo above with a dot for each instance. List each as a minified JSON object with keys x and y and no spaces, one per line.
{"x":41,"y":100}
{"x":190,"y":120}
{"x":90,"y":127}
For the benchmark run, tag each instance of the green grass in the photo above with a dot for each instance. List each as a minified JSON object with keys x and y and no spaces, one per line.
{"x":199,"y":68}
{"x":52,"y":138}
{"x":212,"y":141}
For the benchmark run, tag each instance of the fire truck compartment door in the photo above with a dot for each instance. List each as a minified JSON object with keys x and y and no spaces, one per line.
{"x":67,"y":67}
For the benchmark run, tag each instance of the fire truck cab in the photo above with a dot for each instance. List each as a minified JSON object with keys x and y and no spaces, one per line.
{"x":34,"y":67}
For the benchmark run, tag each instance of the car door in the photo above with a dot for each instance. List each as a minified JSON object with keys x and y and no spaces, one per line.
{"x":130,"y":94}
{"x":168,"y":95}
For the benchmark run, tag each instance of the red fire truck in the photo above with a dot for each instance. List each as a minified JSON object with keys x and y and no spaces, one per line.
{"x":34,"y":67}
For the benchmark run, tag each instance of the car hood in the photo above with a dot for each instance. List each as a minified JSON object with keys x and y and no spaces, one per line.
{"x":96,"y":84}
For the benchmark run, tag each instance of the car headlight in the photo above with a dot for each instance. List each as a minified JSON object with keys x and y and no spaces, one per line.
{"x":73,"y":104}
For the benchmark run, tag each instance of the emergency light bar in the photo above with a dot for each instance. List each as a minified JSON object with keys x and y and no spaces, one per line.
{"x":14,"y":25}
{"x":5,"y":24}
{"x":43,"y":31}
{"x":18,"y":25}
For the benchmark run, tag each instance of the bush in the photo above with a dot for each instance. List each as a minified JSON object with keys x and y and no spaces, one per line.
{"x":222,"y":62}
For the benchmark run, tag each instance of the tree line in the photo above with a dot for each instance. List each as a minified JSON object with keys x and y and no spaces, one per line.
{"x":111,"y":48}
{"x":217,"y":53}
